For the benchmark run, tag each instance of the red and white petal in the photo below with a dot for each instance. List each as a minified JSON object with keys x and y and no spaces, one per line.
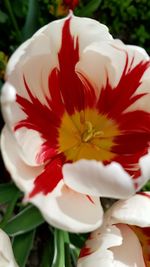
{"x":115,"y":254}
{"x":59,"y":208}
{"x":144,"y":164}
{"x":124,"y":256}
{"x":46,"y":44}
{"x":109,"y":58}
{"x":69,"y":210}
{"x":6,"y":253}
{"x":12,"y":113}
{"x":133,"y":211}
{"x":93,"y":178}
{"x":25,"y":71}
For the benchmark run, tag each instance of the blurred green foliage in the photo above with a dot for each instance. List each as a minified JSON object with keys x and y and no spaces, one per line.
{"x":128,"y":20}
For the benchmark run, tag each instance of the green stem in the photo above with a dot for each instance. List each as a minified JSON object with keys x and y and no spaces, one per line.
{"x":13,"y":19}
{"x":67,"y":250}
{"x":59,"y":250}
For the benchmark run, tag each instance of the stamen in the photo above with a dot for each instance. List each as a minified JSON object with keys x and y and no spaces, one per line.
{"x":90,"y":132}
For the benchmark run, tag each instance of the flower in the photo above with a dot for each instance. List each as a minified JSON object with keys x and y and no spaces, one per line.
{"x":124,"y":238}
{"x":76,"y":107}
{"x":6,"y":253}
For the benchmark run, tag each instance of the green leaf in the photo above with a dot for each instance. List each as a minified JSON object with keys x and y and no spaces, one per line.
{"x":25,"y":221}
{"x":3,"y":17}
{"x":8,"y":192}
{"x":59,"y":251}
{"x":22,"y":245}
{"x":9,"y":210}
{"x":87,"y":10}
{"x":31,"y":23}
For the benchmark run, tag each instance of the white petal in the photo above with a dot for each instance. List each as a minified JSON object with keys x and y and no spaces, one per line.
{"x":116,"y":255}
{"x":133,"y":211}
{"x":17,"y":57}
{"x":99,"y":245}
{"x":69,"y":210}
{"x":144,"y":163}
{"x":124,"y":256}
{"x":94,"y":178}
{"x":6,"y":254}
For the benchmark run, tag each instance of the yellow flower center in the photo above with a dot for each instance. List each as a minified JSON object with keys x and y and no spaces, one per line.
{"x":87,"y":135}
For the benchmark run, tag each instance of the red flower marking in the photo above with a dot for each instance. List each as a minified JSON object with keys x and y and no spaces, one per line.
{"x":85,"y":252}
{"x":71,"y":92}
{"x":144,"y":194}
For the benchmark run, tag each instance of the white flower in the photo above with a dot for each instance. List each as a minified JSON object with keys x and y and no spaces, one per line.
{"x":6,"y":254}
{"x":124,"y":238}
{"x":76,"y":107}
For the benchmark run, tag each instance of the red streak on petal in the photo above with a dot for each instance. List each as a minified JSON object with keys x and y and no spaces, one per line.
{"x":71,"y":87}
{"x":144,"y":194}
{"x":134,"y":138}
{"x":90,"y":199}
{"x":49,"y":178}
{"x":85,"y":252}
{"x":114,"y":101}
{"x":55,"y":102}
{"x":41,"y":119}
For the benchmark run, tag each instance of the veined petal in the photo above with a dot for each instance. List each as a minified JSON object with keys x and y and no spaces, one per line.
{"x":62,"y":202}
{"x":6,"y":254}
{"x":94,"y":178}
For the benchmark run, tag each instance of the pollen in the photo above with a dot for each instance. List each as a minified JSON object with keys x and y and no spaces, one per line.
{"x":87,"y":135}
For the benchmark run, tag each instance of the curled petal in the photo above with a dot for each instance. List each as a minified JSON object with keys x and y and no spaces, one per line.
{"x":63,"y":202}
{"x":94,"y":178}
{"x":133,"y":211}
{"x":114,"y":249}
